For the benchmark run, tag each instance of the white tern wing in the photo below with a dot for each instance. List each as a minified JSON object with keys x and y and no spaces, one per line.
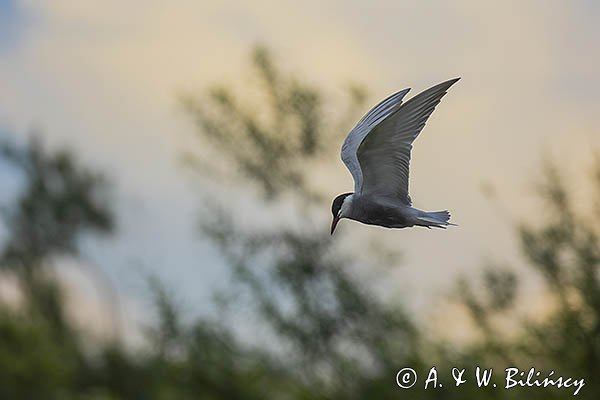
{"x":362,"y":129}
{"x":384,"y":153}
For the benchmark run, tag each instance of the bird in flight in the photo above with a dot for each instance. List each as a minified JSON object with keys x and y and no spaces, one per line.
{"x":377,"y":154}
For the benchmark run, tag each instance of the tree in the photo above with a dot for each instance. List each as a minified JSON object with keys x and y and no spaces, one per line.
{"x":41,"y":351}
{"x":332,"y":333}
{"x":564,"y":250}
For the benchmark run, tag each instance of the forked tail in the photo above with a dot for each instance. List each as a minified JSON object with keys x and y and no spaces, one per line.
{"x":436,"y":219}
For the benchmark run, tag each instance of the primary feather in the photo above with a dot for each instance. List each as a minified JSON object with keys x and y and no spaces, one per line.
{"x":384,"y":154}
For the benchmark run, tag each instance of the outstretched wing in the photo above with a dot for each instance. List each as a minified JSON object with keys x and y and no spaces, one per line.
{"x":356,"y":136}
{"x":384,"y":154}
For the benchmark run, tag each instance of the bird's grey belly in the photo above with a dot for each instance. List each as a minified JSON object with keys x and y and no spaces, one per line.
{"x":381,"y":215}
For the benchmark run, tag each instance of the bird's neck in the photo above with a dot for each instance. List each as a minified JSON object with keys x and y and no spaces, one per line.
{"x":346,"y":210}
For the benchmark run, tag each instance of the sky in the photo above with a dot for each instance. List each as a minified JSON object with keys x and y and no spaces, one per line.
{"x":103,"y":78}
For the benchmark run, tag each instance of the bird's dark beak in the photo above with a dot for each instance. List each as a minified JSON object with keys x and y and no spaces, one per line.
{"x":334,"y":223}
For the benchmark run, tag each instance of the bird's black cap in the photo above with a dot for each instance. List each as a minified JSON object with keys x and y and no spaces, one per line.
{"x":337,"y":203}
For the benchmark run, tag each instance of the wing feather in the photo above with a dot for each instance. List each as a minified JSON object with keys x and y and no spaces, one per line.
{"x":384,"y":152}
{"x":366,"y":124}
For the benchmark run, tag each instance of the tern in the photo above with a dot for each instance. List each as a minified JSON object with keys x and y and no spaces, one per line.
{"x":377,"y":154}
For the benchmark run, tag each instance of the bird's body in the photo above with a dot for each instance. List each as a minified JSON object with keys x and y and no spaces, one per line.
{"x":371,"y":210}
{"x":377,"y":154}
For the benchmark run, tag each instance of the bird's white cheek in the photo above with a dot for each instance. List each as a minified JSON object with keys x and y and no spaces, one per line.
{"x":346,"y":206}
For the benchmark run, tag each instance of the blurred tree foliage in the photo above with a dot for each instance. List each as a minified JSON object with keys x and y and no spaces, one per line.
{"x":564,"y":250}
{"x":329,"y":331}
{"x":40,"y":350}
{"x":322,"y":333}
{"x":272,"y":137}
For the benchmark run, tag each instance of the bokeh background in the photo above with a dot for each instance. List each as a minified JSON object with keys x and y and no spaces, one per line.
{"x":167,"y":172}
